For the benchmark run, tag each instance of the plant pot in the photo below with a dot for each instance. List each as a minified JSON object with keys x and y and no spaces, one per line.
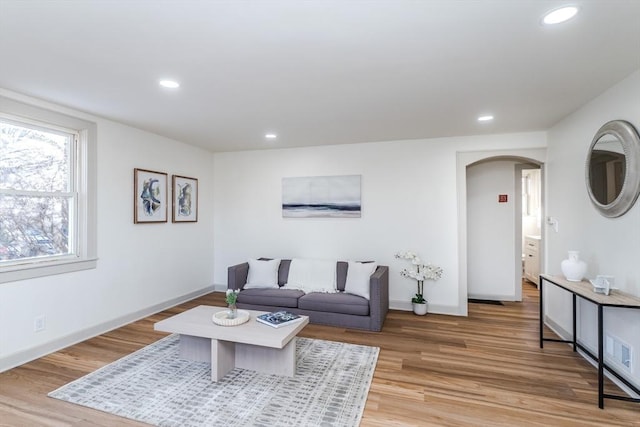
{"x":420,"y":308}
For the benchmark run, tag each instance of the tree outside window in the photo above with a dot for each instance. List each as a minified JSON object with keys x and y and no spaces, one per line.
{"x":37,"y":192}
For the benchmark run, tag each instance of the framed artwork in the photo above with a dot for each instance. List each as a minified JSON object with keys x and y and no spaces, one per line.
{"x":185,"y":199}
{"x":149,"y":196}
{"x":321,"y":196}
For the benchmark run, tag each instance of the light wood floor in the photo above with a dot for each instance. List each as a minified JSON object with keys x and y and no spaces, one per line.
{"x":483,"y":370}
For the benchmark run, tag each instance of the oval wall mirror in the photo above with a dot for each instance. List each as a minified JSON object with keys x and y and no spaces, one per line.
{"x":613,"y":168}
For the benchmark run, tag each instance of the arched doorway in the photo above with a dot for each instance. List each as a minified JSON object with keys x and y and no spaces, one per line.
{"x":464,"y":160}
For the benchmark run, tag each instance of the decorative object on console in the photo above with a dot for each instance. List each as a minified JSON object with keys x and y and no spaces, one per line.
{"x":421,"y":273}
{"x":149,"y":196}
{"x":321,"y":196}
{"x":231,"y":298}
{"x":603,"y":284}
{"x":185,"y":199}
{"x":573,"y":267}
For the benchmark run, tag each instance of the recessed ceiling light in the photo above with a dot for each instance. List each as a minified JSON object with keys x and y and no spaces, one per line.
{"x":170,"y":84}
{"x":271,"y":136}
{"x":562,"y":14}
{"x":485,"y":118}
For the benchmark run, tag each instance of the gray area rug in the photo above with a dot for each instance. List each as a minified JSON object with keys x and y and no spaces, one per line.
{"x":155,"y":386}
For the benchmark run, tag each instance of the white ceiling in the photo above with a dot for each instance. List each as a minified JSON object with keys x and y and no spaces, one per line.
{"x":317,"y":72}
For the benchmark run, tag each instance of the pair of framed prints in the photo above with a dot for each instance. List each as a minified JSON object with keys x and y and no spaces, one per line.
{"x":150,"y":200}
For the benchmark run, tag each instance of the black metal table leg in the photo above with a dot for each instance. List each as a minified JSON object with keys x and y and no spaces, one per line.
{"x":541,"y":282}
{"x":583,"y":291}
{"x":600,"y":360}
{"x":575,"y":328}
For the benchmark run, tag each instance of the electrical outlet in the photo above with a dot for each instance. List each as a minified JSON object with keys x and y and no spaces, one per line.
{"x":39,"y":323}
{"x":625,"y":355}
{"x":618,"y":351}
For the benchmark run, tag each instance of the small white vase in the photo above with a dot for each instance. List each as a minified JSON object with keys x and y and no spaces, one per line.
{"x":573,"y":267}
{"x":420,"y":309}
{"x":232,"y":311}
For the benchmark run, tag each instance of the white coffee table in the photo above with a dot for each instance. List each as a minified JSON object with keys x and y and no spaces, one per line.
{"x":251,"y":345}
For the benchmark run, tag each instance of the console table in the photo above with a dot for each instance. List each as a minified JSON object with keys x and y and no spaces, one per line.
{"x":616,"y":299}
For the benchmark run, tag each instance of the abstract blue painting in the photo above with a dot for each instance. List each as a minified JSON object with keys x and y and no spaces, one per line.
{"x":185,"y":199}
{"x":150,"y":196}
{"x":321,"y":196}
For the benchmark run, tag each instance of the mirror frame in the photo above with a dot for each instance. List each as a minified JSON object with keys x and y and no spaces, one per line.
{"x":628,"y":137}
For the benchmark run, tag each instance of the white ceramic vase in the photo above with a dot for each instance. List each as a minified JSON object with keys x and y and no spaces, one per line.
{"x":573,"y":267}
{"x":420,"y":309}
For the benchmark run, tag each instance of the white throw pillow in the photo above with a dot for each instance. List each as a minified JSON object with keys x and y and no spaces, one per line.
{"x":262,"y":274}
{"x":358,"y":278}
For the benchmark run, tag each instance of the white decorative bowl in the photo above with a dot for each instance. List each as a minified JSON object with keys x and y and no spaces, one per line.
{"x":220,"y":318}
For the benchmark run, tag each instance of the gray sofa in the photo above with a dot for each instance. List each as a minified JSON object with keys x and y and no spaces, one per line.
{"x":335,"y":309}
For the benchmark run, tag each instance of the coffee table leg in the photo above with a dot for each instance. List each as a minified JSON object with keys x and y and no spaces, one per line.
{"x":268,"y":360}
{"x":195,"y":348}
{"x":223,"y":356}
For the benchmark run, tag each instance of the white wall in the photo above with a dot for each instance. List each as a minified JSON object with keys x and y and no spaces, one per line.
{"x":491,"y":231}
{"x":409,"y":201}
{"x":141,"y":268}
{"x":609,"y":246}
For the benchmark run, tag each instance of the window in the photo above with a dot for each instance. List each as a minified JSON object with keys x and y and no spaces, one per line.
{"x":47,"y":218}
{"x":37,"y":192}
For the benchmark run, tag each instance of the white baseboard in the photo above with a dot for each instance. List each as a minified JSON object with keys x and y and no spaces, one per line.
{"x":555,"y":327}
{"x":492,"y":297}
{"x":431,"y":308}
{"x":565,"y":335}
{"x":33,"y":353}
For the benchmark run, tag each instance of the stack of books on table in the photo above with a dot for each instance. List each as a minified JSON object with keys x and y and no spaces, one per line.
{"x":278,"y":319}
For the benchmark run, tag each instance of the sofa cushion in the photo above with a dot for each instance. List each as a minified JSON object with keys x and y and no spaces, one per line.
{"x":274,"y":297}
{"x":262,"y":274}
{"x":358,"y":278}
{"x":283,"y":271}
{"x":334,"y":303}
{"x":341,"y":274}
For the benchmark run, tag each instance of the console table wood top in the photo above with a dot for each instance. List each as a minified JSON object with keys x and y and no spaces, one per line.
{"x":584,"y":288}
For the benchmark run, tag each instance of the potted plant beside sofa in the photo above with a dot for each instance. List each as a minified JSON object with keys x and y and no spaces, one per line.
{"x":421,"y":273}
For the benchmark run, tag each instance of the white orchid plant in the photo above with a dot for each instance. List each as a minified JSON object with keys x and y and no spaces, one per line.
{"x":421,"y":273}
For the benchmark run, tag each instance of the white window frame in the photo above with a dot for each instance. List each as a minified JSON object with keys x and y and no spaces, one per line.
{"x":85,"y":177}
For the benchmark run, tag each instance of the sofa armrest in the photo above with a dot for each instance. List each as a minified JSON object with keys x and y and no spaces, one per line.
{"x":379,"y":297}
{"x":237,"y":275}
